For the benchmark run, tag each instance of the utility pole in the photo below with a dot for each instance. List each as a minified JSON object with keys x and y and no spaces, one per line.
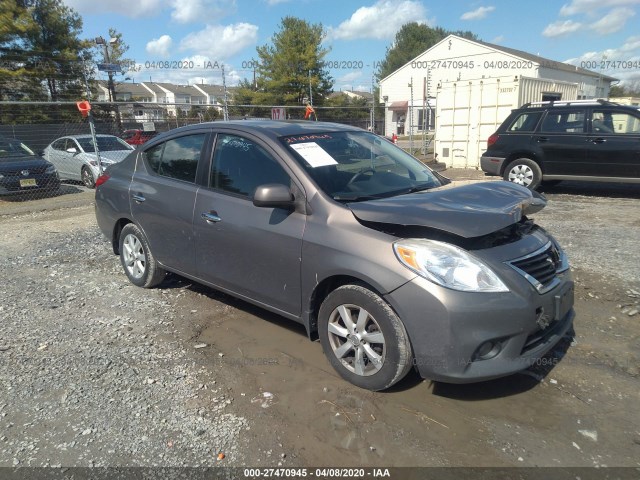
{"x":373,"y":105}
{"x":225,"y":108}
{"x":110,"y":84}
{"x":107,"y":60}
{"x":90,"y":118}
{"x":255,"y":85}
{"x":411,"y":119}
{"x":310,"y":91}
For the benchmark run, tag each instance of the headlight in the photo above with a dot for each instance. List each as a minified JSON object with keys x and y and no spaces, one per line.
{"x":50,"y":169}
{"x":447,"y":265}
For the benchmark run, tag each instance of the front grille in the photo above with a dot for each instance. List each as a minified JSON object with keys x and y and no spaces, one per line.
{"x":540,"y":268}
{"x":18,"y":173}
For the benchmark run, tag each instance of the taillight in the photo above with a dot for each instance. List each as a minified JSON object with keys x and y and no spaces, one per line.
{"x":492,"y":139}
{"x":101,"y":179}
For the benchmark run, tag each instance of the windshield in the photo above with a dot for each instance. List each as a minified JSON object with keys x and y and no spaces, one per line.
{"x":105,"y":144}
{"x":353,"y":166}
{"x":10,"y":148}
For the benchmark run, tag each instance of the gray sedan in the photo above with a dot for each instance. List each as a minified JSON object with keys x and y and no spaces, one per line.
{"x":343,"y":232}
{"x":75,"y":156}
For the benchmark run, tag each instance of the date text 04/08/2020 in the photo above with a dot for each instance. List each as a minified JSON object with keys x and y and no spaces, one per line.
{"x":173,"y":65}
{"x":316,"y":472}
{"x":471,"y":64}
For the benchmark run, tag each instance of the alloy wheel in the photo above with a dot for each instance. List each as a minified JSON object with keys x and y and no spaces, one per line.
{"x":87,"y":178}
{"x":135,"y":260}
{"x":356,"y":339}
{"x":521,"y":175}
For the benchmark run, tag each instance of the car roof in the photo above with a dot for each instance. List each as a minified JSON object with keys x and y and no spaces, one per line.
{"x":88,"y":135}
{"x":535,"y":106}
{"x":273,"y":128}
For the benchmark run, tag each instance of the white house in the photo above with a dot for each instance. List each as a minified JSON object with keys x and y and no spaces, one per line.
{"x":214,"y":94}
{"x":368,"y":96}
{"x":409,"y":92}
{"x":125,"y":92}
{"x":167,"y":97}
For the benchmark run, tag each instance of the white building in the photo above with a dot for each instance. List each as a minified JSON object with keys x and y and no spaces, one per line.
{"x":632,"y":101}
{"x":170,"y":97}
{"x":125,"y":92}
{"x":410,"y":93}
{"x":215,"y":94}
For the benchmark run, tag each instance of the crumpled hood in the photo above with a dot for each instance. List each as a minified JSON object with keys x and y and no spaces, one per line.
{"x":467,"y":211}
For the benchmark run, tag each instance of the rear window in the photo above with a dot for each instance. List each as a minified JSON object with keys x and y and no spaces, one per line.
{"x":525,"y":122}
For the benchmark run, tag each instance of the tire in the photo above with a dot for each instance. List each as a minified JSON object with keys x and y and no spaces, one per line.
{"x":374,"y":355}
{"x":87,"y":177}
{"x":138,"y":262}
{"x":525,"y":172}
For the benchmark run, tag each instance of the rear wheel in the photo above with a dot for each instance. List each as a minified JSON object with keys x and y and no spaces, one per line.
{"x":87,"y":177}
{"x":363,"y":338}
{"x":525,"y":172}
{"x":138,"y":262}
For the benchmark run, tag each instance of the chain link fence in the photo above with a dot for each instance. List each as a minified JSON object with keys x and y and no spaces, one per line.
{"x":47,"y":152}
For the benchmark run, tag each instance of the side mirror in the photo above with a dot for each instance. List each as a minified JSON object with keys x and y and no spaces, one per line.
{"x":273,"y":195}
{"x":72,"y":150}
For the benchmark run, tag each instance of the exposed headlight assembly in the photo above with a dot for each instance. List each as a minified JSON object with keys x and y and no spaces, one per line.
{"x":447,"y":265}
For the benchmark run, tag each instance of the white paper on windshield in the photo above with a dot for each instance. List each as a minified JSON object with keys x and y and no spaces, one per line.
{"x":314,"y":154}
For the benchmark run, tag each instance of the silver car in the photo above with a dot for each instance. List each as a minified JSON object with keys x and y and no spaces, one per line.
{"x":75,"y":156}
{"x":337,"y":229}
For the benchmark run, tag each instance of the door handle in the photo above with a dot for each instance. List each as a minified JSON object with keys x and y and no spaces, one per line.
{"x":211,"y":217}
{"x":543,"y":139}
{"x":599,"y":140}
{"x":139,"y":198}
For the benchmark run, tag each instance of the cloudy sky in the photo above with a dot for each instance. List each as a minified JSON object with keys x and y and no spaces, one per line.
{"x":204,"y":34}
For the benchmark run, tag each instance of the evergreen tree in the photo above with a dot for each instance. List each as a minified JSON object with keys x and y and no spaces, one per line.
{"x":291,"y":63}
{"x":41,"y":54}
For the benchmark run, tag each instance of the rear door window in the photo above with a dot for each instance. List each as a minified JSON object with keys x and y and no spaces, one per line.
{"x":563,"y":121}
{"x":177,"y":158}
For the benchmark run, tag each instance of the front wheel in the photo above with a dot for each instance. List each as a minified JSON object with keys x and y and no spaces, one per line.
{"x":138,"y":262}
{"x":87,"y":177}
{"x":525,"y":172}
{"x":363,"y":338}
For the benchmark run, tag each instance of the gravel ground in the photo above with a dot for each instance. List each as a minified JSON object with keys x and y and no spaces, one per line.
{"x":85,"y":350}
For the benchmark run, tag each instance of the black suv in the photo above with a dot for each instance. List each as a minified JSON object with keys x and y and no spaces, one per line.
{"x":590,"y":140}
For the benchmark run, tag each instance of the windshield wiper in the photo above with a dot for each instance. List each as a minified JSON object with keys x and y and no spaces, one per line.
{"x":354,"y":198}
{"x":418,"y":188}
